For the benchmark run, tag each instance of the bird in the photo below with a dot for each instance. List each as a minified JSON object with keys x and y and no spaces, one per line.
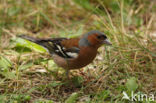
{"x":72,"y":53}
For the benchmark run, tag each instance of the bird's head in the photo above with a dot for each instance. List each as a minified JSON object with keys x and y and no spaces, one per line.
{"x":94,"y":38}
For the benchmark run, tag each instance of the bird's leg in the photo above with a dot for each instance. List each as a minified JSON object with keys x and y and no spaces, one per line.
{"x":67,"y":74}
{"x":67,"y":69}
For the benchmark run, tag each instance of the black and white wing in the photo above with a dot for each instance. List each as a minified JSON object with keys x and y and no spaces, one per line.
{"x":54,"y":46}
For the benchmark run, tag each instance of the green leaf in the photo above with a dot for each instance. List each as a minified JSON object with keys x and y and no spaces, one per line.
{"x":44,"y":101}
{"x":8,"y":74}
{"x":72,"y":98}
{"x":104,"y":94}
{"x":26,"y":43}
{"x":2,"y":98}
{"x":55,"y":84}
{"x":12,"y":11}
{"x":52,"y":65}
{"x":77,"y":81}
{"x":84,"y":3}
{"x":21,"y":49}
{"x":25,"y":66}
{"x":132,"y":84}
{"x":5,"y":63}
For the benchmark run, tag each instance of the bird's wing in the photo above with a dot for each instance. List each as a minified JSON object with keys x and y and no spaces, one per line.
{"x":66,"y":48}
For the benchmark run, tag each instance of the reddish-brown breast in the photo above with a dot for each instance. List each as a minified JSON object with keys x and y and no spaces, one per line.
{"x":86,"y":56}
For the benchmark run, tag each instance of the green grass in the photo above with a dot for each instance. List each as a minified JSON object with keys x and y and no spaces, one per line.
{"x":28,"y":74}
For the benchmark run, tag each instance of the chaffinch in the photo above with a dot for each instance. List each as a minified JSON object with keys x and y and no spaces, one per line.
{"x":73,"y":53}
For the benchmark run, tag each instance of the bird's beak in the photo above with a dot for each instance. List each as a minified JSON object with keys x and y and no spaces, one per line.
{"x":106,"y":41}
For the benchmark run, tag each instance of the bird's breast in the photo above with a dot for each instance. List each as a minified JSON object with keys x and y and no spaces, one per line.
{"x":85,"y":57}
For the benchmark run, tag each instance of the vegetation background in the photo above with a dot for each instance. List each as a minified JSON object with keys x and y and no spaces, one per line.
{"x":28,"y":74}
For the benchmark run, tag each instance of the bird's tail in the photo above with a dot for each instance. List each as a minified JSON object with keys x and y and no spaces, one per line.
{"x":32,"y":39}
{"x":50,"y":44}
{"x":45,"y":43}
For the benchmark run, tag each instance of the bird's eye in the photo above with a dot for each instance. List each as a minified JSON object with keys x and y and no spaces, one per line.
{"x":100,"y":37}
